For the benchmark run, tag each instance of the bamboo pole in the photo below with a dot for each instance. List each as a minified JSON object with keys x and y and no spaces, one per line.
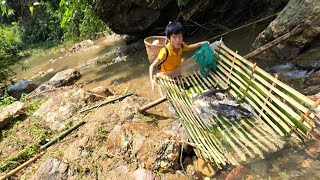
{"x":43,"y":149}
{"x":13,"y":172}
{"x":278,"y":40}
{"x":152,"y":104}
{"x":106,"y":102}
{"x":62,"y":135}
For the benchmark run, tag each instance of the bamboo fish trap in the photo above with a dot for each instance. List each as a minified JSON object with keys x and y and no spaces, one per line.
{"x":279,"y":110}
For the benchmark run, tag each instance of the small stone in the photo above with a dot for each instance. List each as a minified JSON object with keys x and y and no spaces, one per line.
{"x":50,"y":70}
{"x":204,"y":167}
{"x":306,"y":163}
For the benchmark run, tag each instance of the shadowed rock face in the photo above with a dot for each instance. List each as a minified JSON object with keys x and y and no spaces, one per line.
{"x":151,"y":16}
{"x":297,"y":12}
{"x":130,"y":16}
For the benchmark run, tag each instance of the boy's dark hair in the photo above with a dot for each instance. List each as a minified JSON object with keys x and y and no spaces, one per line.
{"x":174,"y":28}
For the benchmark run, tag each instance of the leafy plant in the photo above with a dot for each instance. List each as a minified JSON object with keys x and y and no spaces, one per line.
{"x":32,"y":106}
{"x":6,"y":100}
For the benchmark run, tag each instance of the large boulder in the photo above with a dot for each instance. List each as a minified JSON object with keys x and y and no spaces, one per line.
{"x":148,"y":16}
{"x":22,"y":86}
{"x":9,"y":112}
{"x":148,"y":146}
{"x":62,"y":78}
{"x":297,"y":12}
{"x":56,"y":110}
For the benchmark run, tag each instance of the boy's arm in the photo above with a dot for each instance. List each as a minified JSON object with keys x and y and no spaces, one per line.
{"x":151,"y":72}
{"x":197,"y":45}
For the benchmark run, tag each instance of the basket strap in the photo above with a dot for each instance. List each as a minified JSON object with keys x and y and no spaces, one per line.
{"x":167,"y":53}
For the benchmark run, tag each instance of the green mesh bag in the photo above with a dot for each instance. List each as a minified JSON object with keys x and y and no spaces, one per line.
{"x":205,"y":57}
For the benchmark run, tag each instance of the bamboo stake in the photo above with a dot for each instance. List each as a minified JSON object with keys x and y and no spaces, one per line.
{"x":261,"y":49}
{"x":106,"y":102}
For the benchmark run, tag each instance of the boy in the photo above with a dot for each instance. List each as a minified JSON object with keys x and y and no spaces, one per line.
{"x":175,"y":46}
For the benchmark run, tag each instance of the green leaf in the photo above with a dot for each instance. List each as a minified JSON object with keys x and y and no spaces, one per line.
{"x":31,"y":9}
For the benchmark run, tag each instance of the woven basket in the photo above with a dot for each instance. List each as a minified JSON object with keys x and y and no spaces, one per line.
{"x":153,"y":50}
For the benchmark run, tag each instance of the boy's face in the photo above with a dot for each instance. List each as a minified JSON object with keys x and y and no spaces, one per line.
{"x":176,"y":40}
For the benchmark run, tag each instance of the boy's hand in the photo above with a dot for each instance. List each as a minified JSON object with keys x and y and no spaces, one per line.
{"x":153,"y":85}
{"x":204,"y":42}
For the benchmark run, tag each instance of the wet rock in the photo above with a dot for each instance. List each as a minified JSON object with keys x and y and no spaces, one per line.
{"x":52,"y":169}
{"x":149,"y":147}
{"x":204,"y":167}
{"x":297,"y":12}
{"x":9,"y":112}
{"x":20,"y":87}
{"x":57,"y":109}
{"x":62,"y":78}
{"x":82,"y":45}
{"x":309,"y":60}
{"x":236,"y":173}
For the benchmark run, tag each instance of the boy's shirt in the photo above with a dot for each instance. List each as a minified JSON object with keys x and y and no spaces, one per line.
{"x":173,"y":60}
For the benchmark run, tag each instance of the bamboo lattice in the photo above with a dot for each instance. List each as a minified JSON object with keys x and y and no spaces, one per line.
{"x":279,"y":110}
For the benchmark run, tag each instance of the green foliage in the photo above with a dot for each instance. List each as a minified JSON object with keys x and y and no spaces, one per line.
{"x":78,"y":19}
{"x":19,"y":158}
{"x":6,"y":10}
{"x":6,"y":100}
{"x":10,"y":43}
{"x":32,"y":106}
{"x":42,"y":24}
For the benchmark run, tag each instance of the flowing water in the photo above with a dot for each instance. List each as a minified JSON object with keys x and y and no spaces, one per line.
{"x":94,"y":65}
